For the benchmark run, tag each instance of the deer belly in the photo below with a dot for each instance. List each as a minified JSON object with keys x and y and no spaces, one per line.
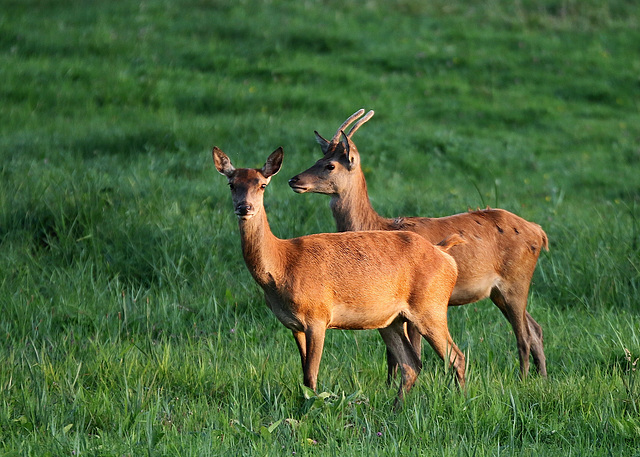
{"x":471,"y":289}
{"x":363,"y":318}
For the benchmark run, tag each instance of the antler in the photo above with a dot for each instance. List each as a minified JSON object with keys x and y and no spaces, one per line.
{"x":360,"y":122}
{"x":346,"y":124}
{"x":327,"y":145}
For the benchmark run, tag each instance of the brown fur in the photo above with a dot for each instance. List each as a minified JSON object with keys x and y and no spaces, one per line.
{"x":497,"y":259}
{"x":354,"y":281}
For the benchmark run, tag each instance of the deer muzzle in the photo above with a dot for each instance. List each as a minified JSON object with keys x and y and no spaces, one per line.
{"x":244,"y":210}
{"x":294,"y":183}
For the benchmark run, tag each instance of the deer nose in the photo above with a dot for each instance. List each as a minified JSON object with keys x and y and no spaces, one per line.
{"x":295,"y":184}
{"x":244,"y":208}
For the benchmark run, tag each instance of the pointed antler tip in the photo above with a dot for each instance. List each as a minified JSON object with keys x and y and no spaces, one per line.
{"x":360,"y":122}
{"x":346,"y":123}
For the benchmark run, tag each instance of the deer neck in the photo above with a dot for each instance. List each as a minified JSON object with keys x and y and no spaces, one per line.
{"x":352,"y":208}
{"x":260,"y":249}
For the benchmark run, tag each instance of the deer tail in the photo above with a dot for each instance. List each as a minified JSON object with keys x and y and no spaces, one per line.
{"x":450,"y":241}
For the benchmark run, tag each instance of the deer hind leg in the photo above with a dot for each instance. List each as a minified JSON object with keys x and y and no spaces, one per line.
{"x":433,"y":327}
{"x":444,"y":346}
{"x":537,"y":346}
{"x":415,"y":338}
{"x":513,"y":306}
{"x":403,"y":352}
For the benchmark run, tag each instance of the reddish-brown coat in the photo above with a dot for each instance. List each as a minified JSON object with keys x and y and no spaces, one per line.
{"x":354,"y":280}
{"x":497,"y":259}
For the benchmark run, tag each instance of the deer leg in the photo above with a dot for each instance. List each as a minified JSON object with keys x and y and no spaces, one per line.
{"x":398,"y":344}
{"x":301,"y":342}
{"x":443,"y":344}
{"x":415,"y":339}
{"x":392,"y":364}
{"x":314,"y":345}
{"x":434,"y":329}
{"x":515,"y":311}
{"x":537,"y":346}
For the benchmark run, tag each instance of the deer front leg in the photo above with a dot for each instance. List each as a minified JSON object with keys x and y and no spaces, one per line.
{"x":301,"y":342}
{"x":314,"y":338}
{"x":392,"y":364}
{"x":404,"y":353}
{"x":415,"y":338}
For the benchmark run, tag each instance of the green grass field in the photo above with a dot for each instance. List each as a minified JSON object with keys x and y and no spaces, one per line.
{"x":129,"y":324}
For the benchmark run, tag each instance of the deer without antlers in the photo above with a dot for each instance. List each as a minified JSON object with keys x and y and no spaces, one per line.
{"x":497,"y":260}
{"x":354,"y":281}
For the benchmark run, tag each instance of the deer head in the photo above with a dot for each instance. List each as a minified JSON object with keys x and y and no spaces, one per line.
{"x":247,"y":184}
{"x":329,"y":175}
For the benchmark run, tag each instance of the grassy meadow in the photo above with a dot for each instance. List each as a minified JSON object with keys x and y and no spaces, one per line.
{"x":129,"y":324}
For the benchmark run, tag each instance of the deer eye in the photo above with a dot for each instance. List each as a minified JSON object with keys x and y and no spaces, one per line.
{"x":263,"y":186}
{"x":231,"y":186}
{"x":330,"y":167}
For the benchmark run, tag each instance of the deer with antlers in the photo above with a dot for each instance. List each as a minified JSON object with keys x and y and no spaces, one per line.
{"x":354,"y":280}
{"x":497,"y":259}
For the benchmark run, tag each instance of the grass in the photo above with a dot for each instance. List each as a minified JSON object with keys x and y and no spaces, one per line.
{"x":130,"y":325}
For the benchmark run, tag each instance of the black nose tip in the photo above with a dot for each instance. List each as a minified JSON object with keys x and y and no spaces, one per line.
{"x":294,"y":180}
{"x":243,"y":209}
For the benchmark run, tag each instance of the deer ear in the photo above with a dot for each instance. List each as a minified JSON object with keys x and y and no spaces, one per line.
{"x":324,"y":144}
{"x":274,"y":162}
{"x":350,"y":151}
{"x":222,"y":162}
